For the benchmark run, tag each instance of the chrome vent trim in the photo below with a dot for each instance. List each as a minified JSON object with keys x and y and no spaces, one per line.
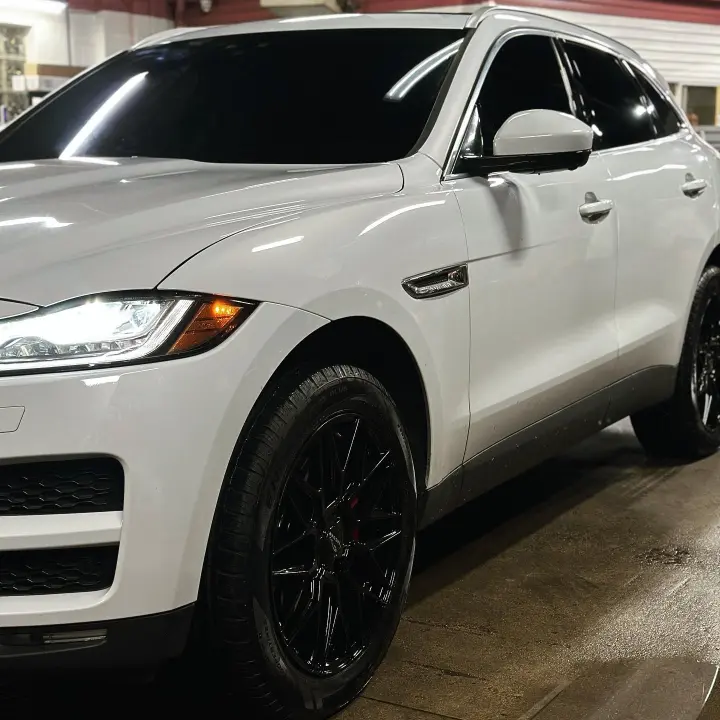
{"x":437,"y":283}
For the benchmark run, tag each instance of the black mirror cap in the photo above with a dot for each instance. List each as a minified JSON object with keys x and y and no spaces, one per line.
{"x":484,"y":166}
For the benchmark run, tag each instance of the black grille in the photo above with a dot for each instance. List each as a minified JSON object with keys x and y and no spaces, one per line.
{"x":62,"y":486}
{"x":62,"y":570}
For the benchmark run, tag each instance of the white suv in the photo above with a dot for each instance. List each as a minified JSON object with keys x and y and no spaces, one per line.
{"x":276,"y":295}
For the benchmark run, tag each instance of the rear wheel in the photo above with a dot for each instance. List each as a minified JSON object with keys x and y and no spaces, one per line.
{"x":313,"y":544}
{"x":687,"y":426}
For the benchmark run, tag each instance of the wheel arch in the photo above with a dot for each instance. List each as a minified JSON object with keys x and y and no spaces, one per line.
{"x":368,"y":343}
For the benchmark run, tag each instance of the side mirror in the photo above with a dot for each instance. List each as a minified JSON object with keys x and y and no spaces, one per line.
{"x":535,"y":141}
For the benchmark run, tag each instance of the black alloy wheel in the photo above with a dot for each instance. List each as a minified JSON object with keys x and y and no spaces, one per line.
{"x":705,"y":381}
{"x":312,"y":546}
{"x":337,"y":545}
{"x":687,"y":425}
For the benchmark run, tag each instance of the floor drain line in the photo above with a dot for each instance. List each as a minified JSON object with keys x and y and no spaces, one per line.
{"x":538,"y":707}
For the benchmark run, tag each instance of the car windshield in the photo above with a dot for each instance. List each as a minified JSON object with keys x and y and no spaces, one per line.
{"x":297,"y":97}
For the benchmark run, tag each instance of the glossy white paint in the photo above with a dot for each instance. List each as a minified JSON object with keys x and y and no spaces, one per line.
{"x":664,"y":240}
{"x":576,"y":279}
{"x":350,"y":260}
{"x":149,"y":418}
{"x":542,"y":284}
{"x":10,"y":418}
{"x":47,"y":531}
{"x":450,"y":21}
{"x":542,"y":132}
{"x":139,"y":219}
{"x":11,"y":309}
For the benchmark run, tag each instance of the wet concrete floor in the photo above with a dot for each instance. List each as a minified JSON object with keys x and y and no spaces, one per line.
{"x":588,"y":588}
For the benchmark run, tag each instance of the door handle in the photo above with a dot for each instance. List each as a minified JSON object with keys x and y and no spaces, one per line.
{"x":594,"y":210}
{"x":694,"y":188}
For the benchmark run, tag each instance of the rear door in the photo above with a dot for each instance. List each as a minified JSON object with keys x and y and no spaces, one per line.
{"x":662,"y":185}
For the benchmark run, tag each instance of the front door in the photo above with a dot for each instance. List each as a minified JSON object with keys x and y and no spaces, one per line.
{"x":543,"y":251}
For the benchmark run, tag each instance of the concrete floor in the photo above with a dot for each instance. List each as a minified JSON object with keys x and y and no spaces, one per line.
{"x":587,"y":588}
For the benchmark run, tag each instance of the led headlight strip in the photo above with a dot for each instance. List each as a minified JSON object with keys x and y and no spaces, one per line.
{"x":116,"y":329}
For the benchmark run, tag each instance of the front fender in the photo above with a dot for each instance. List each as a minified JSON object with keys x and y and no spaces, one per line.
{"x":350,"y":260}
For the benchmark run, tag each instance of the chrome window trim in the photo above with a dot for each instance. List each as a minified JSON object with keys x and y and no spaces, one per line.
{"x":636,"y":64}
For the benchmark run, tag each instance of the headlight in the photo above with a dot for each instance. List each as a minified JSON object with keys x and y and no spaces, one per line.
{"x":116,"y":329}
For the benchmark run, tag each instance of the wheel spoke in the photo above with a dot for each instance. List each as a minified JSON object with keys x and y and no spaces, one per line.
{"x":367,"y":592}
{"x":302,"y":611}
{"x":292,"y":543}
{"x":352,"y":445}
{"x":329,"y":615}
{"x":389,"y":537}
{"x":706,"y":408}
{"x":293,"y":573}
{"x":339,"y":543}
{"x":302,"y":483}
{"x":342,"y":615}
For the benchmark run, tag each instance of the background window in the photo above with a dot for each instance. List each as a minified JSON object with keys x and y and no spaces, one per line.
{"x":700,"y":101}
{"x":525,"y":75}
{"x":612,"y":99}
{"x":666,"y":119}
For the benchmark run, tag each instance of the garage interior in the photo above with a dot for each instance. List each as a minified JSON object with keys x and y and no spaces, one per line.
{"x":586,"y":588}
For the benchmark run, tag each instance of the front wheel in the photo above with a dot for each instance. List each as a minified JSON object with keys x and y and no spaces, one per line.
{"x":687,"y":426}
{"x":312,"y":550}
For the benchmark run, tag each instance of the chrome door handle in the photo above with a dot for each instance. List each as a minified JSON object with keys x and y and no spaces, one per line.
{"x":594,"y":210}
{"x":694,"y":188}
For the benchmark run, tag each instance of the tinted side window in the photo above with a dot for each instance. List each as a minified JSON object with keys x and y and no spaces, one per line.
{"x":525,"y":75}
{"x":612,"y":99}
{"x":666,"y":119}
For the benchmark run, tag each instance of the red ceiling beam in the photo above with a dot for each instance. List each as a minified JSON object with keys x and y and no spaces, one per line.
{"x":156,"y":8}
{"x":697,"y":11}
{"x":226,"y":12}
{"x":233,"y":11}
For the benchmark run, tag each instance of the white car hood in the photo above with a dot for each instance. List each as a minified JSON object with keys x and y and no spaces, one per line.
{"x":78,"y":227}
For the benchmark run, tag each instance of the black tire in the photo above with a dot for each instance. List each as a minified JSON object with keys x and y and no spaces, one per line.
{"x":679,"y":428}
{"x":271,"y":494}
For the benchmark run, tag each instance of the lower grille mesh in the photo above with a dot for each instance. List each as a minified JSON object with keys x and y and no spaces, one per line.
{"x":61,"y":486}
{"x":61,"y":570}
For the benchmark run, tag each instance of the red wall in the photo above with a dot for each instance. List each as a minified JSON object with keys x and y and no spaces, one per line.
{"x":158,"y":8}
{"x":229,"y":11}
{"x":702,"y":11}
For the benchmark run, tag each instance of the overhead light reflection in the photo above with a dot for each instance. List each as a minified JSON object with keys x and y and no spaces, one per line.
{"x":408,"y":81}
{"x":110,"y":379}
{"x":279,"y":243}
{"x":17,"y":166}
{"x":48,"y":222}
{"x":102,"y":114}
{"x":315,"y":18}
{"x":54,"y":7}
{"x":400,"y":211}
{"x":93,"y":161}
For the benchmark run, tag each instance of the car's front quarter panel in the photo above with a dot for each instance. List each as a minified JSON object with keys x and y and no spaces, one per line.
{"x":350,"y":260}
{"x":173,"y":425}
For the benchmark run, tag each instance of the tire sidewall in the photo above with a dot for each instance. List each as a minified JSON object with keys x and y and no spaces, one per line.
{"x":321,"y":696}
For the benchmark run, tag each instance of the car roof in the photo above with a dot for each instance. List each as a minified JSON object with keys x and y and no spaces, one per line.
{"x":341,"y":21}
{"x":392,"y":20}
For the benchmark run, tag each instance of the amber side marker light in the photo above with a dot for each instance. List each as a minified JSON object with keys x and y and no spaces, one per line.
{"x":211,"y":320}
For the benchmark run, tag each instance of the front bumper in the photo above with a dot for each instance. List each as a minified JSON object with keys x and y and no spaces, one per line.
{"x":173,"y":426}
{"x":130,"y":642}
